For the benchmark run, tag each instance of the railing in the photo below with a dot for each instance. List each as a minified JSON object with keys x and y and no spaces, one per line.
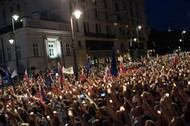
{"x":89,"y":34}
{"x":45,"y":24}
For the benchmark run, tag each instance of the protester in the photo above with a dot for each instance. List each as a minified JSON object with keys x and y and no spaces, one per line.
{"x":154,"y":91}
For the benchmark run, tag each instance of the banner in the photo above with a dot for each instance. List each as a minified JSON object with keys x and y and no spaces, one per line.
{"x":68,"y":70}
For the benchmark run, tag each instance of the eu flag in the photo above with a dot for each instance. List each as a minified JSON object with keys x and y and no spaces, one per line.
{"x":43,"y":98}
{"x":113,"y":69}
{"x":6,"y":76}
{"x":48,"y":80}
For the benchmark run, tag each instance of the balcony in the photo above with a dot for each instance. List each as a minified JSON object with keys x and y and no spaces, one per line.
{"x":89,"y":34}
{"x":45,"y":24}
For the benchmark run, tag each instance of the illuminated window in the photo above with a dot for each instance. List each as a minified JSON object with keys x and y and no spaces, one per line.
{"x":51,"y":49}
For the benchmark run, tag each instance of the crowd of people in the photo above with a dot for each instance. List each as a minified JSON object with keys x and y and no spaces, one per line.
{"x":154,"y":91}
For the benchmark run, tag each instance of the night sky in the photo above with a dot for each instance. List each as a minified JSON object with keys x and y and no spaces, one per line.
{"x":169,"y":13}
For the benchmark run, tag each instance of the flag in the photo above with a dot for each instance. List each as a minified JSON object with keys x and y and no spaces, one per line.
{"x":6,"y":76}
{"x":14,"y":74}
{"x":48,"y":80}
{"x":88,"y":65}
{"x":43,"y":98}
{"x":122,"y":71}
{"x":26,"y":77}
{"x":106,"y":74}
{"x":60,"y":75}
{"x":176,"y":60}
{"x":113,"y":65}
{"x":82,"y":76}
{"x":68,"y":70}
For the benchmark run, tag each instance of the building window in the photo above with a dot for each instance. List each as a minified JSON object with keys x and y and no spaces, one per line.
{"x":116,"y":7}
{"x":1,"y":57}
{"x":4,"y":13}
{"x":9,"y":54}
{"x":11,"y":9}
{"x":5,"y":22}
{"x":18,"y":52}
{"x":68,"y":49}
{"x":137,"y":13}
{"x":96,"y":25}
{"x":77,"y":25}
{"x":131,"y":12}
{"x":79,"y":44}
{"x":108,"y":30}
{"x":99,"y":28}
{"x":86,"y":27}
{"x":35,"y":49}
{"x":51,"y":49}
{"x":18,"y":7}
{"x":105,"y":4}
{"x":96,"y":13}
{"x":94,"y":1}
{"x":106,"y":15}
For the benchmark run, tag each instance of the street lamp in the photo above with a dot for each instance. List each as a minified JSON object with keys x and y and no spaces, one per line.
{"x":76,"y":14}
{"x":182,"y":36}
{"x":137,"y":31}
{"x":12,"y":38}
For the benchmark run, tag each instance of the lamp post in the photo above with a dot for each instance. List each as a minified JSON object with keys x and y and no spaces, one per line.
{"x":77,"y":15}
{"x":137,"y":31}
{"x":183,"y":41}
{"x":12,"y":39}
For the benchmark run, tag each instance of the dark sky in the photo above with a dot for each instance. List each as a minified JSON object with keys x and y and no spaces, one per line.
{"x":169,"y":13}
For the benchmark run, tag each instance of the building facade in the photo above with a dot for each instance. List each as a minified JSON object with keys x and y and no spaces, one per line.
{"x":43,"y":33}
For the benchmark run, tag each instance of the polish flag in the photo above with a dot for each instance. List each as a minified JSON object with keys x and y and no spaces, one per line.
{"x":82,"y":76}
{"x":26,"y":77}
{"x":122,"y":71}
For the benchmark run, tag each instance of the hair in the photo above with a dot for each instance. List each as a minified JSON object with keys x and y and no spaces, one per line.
{"x":150,"y":123}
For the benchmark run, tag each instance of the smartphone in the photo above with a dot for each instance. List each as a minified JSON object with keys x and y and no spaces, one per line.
{"x":102,"y":94}
{"x":81,"y":96}
{"x":31,"y":113}
{"x":109,"y":90}
{"x":54,"y":112}
{"x":83,"y":102}
{"x":174,"y":85}
{"x":48,"y":117}
{"x":111,"y":101}
{"x":158,"y":111}
{"x":166,"y":95}
{"x":10,"y":97}
{"x":70,"y":113}
{"x":124,"y":88}
{"x":122,"y":108}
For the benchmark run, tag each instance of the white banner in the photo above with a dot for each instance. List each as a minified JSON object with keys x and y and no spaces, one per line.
{"x":68,"y":70}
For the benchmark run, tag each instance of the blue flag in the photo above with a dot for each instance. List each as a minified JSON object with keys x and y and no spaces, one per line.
{"x":87,"y":65}
{"x":113,"y":69}
{"x":48,"y":80}
{"x":43,"y":98}
{"x":6,"y":76}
